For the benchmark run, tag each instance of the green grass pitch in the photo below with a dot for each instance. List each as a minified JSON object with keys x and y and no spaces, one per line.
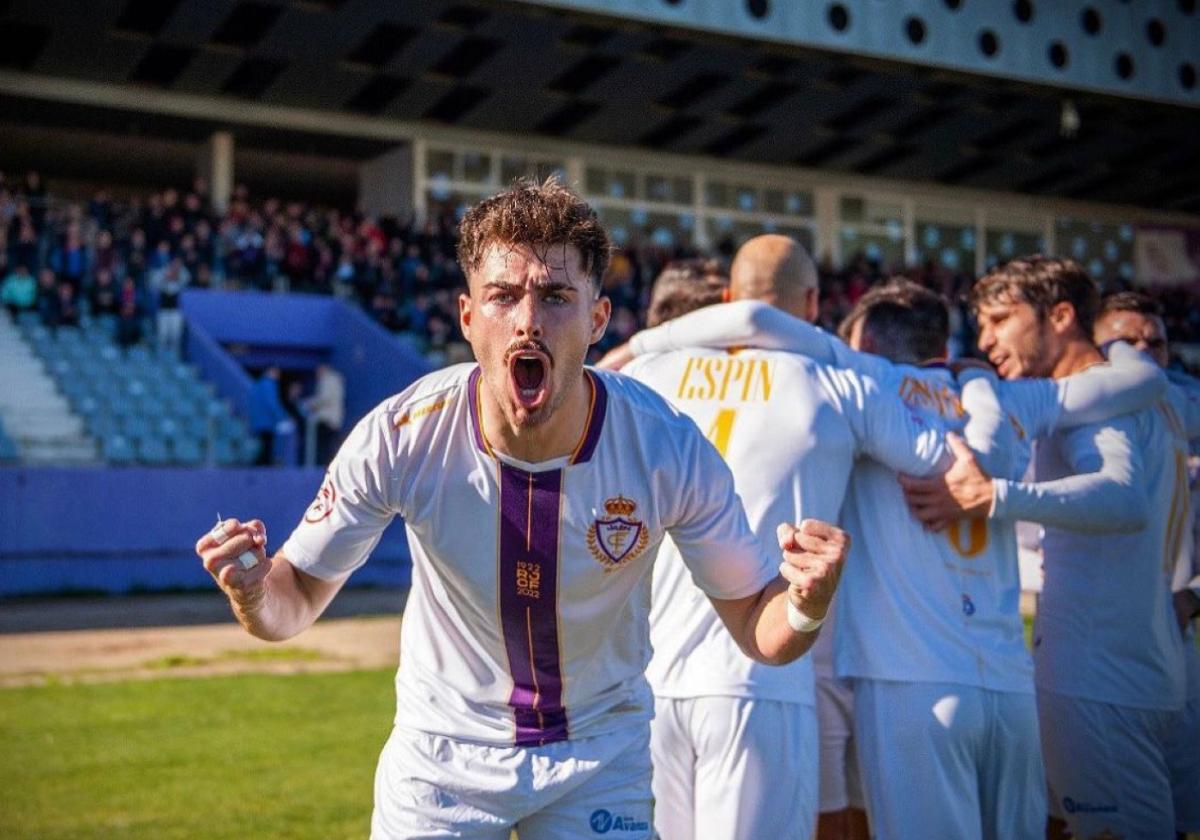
{"x":220,"y":757}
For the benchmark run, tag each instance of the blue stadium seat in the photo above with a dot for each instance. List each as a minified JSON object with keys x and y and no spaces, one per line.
{"x":188,"y":451}
{"x":248,"y":448}
{"x":119,"y":451}
{"x":8,"y":449}
{"x":224,"y":452}
{"x":154,"y":451}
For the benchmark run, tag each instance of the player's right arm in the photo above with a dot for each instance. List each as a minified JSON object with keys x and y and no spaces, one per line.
{"x":277,"y":599}
{"x":1104,"y":495}
{"x":274,"y":600}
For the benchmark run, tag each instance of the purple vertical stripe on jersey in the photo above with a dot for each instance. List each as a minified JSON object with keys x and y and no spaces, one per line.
{"x":595,"y":420}
{"x":529,"y":521}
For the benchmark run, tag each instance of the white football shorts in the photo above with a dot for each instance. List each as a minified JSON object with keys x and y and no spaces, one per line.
{"x":732,"y":767}
{"x":429,"y":786}
{"x":1106,"y":767}
{"x":840,"y":786}
{"x":948,"y":760}
{"x":1183,"y":749}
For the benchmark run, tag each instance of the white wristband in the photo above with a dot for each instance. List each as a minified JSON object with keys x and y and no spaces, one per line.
{"x":799,"y":622}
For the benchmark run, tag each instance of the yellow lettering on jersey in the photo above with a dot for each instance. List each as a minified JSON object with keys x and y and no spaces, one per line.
{"x":1181,"y":512}
{"x":939,"y":398}
{"x":529,"y":579}
{"x":1017,"y":427}
{"x":977,"y":537}
{"x":684,"y":389}
{"x":421,"y":411}
{"x":724,"y":378}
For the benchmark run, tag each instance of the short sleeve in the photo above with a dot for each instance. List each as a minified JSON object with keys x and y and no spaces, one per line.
{"x":711,"y":531}
{"x":347,"y":518}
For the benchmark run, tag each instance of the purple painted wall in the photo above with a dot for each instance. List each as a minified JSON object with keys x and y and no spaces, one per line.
{"x":120,"y":530}
{"x":278,"y":327}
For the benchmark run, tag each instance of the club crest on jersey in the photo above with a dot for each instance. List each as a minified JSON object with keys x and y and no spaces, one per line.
{"x":619,"y":537}
{"x":322,"y":505}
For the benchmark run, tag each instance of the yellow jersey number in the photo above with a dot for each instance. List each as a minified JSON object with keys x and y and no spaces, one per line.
{"x":720,"y":430}
{"x":976,"y":538}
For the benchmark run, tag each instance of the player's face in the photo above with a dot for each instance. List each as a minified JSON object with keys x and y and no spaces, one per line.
{"x":530,"y":316}
{"x":1016,"y":341}
{"x":1147,"y":333}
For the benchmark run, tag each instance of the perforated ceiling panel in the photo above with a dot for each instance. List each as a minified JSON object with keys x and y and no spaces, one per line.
{"x":1147,"y":48}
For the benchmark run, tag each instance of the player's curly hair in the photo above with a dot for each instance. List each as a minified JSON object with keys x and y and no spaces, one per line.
{"x":684,"y":286}
{"x":536,"y":215}
{"x":1042,"y":282}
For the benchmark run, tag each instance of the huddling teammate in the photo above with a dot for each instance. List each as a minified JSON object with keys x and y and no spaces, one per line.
{"x":1107,"y":648}
{"x":535,"y":494}
{"x":1137,"y":318}
{"x":734,"y":743}
{"x":945,"y":720}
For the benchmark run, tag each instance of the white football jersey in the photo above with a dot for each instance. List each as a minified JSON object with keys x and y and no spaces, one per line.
{"x":527,"y":621}
{"x":914,"y":605}
{"x":1106,"y":630}
{"x":790,"y":430}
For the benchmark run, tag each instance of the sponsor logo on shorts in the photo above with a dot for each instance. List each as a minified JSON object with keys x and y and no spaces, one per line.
{"x":603,"y":821}
{"x":1073,"y":807}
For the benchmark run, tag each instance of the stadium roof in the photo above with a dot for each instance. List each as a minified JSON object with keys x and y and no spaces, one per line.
{"x":515,"y":67}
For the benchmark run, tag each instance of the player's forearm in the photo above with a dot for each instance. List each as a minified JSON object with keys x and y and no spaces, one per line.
{"x":286,"y":605}
{"x":1093,"y":502}
{"x":770,"y":639}
{"x":736,"y":324}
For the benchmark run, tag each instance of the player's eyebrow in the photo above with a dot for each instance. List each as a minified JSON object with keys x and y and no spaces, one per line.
{"x":540,"y":286}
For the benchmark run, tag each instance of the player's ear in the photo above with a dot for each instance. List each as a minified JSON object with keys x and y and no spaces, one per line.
{"x":464,"y":314}
{"x":601,"y":312}
{"x":812,"y":305}
{"x":1062,"y":317}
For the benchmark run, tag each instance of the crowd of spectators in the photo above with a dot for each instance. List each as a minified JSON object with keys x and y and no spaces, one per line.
{"x":131,"y":259}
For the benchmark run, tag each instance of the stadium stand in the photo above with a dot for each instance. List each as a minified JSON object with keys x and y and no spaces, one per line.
{"x":137,"y":406}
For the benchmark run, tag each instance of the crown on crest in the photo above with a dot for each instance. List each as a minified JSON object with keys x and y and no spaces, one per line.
{"x":620,"y":506}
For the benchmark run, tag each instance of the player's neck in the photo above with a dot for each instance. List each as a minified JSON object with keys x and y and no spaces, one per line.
{"x":558,"y":436}
{"x":1078,"y":355}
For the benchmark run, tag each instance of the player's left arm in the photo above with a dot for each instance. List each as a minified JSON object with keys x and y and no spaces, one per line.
{"x":750,"y":591}
{"x":779,"y":624}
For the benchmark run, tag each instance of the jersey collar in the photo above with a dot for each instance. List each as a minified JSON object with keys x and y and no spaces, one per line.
{"x":597,"y":409}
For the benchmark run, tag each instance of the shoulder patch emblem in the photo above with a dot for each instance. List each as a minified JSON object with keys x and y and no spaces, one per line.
{"x":618,"y":538}
{"x":322,"y":505}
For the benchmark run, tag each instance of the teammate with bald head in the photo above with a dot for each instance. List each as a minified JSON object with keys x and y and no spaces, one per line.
{"x":776,"y":270}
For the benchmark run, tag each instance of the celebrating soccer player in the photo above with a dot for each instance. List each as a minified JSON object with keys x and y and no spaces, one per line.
{"x":535,"y":494}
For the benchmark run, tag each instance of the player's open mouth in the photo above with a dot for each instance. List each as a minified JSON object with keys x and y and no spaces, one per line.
{"x":530,"y":373}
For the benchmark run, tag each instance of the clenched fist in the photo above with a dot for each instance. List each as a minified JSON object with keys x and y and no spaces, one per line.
{"x":813,"y":554}
{"x":220,"y":550}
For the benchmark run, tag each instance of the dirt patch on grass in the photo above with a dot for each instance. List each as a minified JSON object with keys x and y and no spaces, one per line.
{"x":200,"y":650}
